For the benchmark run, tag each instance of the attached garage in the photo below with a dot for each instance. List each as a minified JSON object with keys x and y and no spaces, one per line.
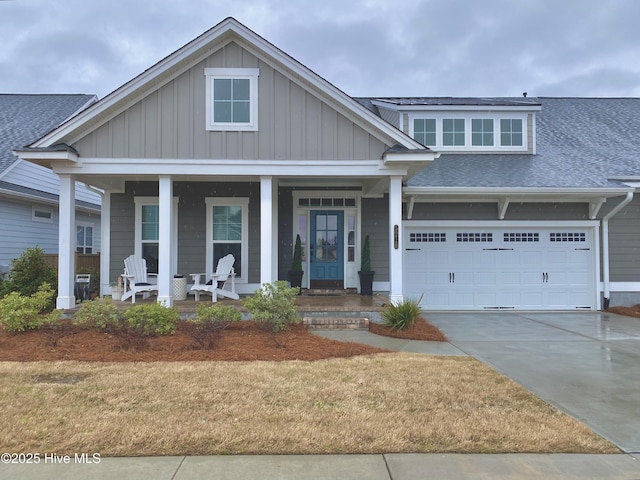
{"x":480,"y":266}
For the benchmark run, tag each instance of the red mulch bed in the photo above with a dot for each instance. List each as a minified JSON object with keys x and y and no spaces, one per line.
{"x":628,"y":311}
{"x":420,"y":331}
{"x":243,"y":341}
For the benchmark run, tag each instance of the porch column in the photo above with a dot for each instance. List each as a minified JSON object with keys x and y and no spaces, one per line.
{"x":395,"y":238}
{"x":266,"y":230}
{"x":165,"y":246}
{"x":105,"y":245}
{"x":66,"y":242}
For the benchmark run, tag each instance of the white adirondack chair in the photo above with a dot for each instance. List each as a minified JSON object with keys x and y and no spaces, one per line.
{"x":222,"y":282}
{"x":136,"y":278}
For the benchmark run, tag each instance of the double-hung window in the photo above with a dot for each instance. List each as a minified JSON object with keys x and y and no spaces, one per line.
{"x":511,"y":132}
{"x":482,"y":132}
{"x":227,"y":232}
{"x":84,"y":238}
{"x":232,"y":99}
{"x":453,"y":132}
{"x":424,"y":131}
{"x":147,"y":232}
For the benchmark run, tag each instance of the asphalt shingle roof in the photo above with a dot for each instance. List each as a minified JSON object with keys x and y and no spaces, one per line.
{"x":581,"y":143}
{"x":25,"y":118}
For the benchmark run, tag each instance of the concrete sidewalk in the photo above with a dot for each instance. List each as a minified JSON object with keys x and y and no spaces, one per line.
{"x":342,"y":467}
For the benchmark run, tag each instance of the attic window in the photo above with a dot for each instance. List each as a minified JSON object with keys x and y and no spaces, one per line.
{"x":232,"y":99}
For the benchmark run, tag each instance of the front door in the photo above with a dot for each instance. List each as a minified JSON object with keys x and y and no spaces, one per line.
{"x":326,"y":249}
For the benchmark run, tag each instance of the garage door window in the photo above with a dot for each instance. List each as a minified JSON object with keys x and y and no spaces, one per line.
{"x":427,"y":237}
{"x":521,"y":237}
{"x":567,"y":237}
{"x":474,"y":237}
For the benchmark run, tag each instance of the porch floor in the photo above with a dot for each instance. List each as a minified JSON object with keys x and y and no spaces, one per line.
{"x":313,"y":301}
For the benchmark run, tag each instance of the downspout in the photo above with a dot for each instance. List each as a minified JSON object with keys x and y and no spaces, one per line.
{"x":605,"y":247}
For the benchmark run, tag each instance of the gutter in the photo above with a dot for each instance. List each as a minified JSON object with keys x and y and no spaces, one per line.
{"x":605,"y":247}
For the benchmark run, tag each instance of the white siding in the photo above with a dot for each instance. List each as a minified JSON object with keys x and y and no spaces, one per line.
{"x":20,"y":232}
{"x":34,"y":176}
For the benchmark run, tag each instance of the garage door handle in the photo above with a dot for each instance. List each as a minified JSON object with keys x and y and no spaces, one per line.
{"x":412,"y":249}
{"x":452,"y":277}
{"x":545,"y":277}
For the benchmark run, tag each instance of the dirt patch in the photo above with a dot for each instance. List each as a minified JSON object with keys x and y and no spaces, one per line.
{"x":422,"y":330}
{"x":243,"y":341}
{"x":627,"y":311}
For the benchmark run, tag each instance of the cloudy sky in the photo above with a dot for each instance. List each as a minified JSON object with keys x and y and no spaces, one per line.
{"x":364,"y":47}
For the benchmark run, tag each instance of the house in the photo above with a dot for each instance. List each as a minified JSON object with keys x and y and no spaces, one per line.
{"x":28,"y":192}
{"x":229,"y":145}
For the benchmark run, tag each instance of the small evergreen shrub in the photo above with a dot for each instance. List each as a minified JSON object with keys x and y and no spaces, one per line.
{"x":21,"y":312}
{"x":101,"y":314}
{"x":29,"y":272}
{"x":151,"y":320}
{"x":274,"y":307}
{"x":206,"y":328}
{"x":402,"y":315}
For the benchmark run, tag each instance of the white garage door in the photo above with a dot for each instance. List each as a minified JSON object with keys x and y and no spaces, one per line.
{"x":500,"y":268}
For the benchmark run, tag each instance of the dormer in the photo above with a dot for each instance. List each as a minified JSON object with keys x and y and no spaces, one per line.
{"x":465,"y":125}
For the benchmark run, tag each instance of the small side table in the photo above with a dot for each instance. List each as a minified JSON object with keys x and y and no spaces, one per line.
{"x":179,"y":288}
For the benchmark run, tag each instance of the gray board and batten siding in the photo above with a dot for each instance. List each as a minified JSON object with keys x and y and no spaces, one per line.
{"x":170,"y":122}
{"x":191,"y":216}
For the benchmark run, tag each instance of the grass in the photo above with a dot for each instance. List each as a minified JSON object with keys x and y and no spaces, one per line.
{"x":383,"y":403}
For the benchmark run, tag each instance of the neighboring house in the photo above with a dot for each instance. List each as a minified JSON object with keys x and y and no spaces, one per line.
{"x":230,"y":145}
{"x":28,"y":192}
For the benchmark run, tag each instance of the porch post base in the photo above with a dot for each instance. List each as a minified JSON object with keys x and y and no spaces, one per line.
{"x":395,"y":299}
{"x":165,"y":301}
{"x":65,"y":303}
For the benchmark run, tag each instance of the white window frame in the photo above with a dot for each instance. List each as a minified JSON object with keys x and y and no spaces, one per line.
{"x":468,"y":131}
{"x":48,"y":218}
{"x":154,"y":201}
{"x":93,"y":228}
{"x":210,"y":202}
{"x":251,"y":74}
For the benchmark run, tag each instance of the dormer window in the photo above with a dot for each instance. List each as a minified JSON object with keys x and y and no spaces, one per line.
{"x":232,"y":99}
{"x":511,"y":132}
{"x":471,"y":132}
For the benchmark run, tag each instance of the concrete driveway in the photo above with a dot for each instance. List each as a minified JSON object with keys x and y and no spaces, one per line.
{"x":585,"y":363}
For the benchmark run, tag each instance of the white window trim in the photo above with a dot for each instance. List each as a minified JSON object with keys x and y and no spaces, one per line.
{"x":232,"y":73}
{"x":210,"y":202}
{"x":468,"y":117}
{"x":36,"y":218}
{"x":93,"y":237}
{"x":139,"y":202}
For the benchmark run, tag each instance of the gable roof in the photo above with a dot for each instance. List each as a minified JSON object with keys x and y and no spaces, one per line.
{"x":25,"y":118}
{"x":582,"y":143}
{"x":198,"y":49}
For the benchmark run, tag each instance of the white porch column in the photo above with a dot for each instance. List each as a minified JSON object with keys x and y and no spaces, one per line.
{"x":105,"y":245}
{"x":266,"y":230}
{"x":395,"y":238}
{"x":66,"y":242}
{"x":165,"y":244}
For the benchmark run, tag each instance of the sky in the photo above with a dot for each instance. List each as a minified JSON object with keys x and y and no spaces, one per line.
{"x":374,"y":48}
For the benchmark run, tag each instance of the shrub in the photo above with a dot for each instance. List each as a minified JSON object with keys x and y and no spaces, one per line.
{"x":402,"y":315}
{"x":274,"y":307}
{"x":100,"y":313}
{"x":20,"y":312}
{"x":151,"y":320}
{"x":29,"y":272}
{"x":207,"y":327}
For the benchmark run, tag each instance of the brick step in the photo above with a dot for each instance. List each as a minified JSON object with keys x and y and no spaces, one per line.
{"x":334,"y":323}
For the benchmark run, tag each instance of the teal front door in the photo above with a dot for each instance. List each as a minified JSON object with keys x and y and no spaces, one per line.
{"x":326,"y":248}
